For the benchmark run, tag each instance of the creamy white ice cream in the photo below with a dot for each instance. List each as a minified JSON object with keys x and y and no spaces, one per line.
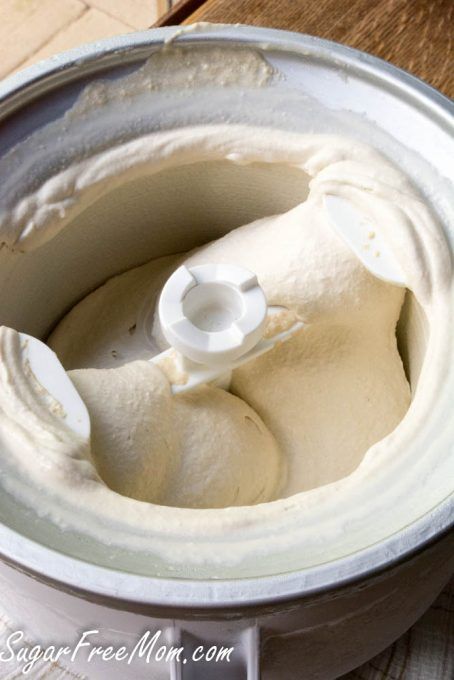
{"x":325,"y":396}
{"x":309,"y":433}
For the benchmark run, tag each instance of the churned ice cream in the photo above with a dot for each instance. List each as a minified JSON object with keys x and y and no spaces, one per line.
{"x":300,"y":416}
{"x":300,"y":451}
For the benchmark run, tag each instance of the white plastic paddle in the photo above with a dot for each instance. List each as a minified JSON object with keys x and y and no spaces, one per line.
{"x":214,"y":317}
{"x":364,"y":239}
{"x":51,"y":375}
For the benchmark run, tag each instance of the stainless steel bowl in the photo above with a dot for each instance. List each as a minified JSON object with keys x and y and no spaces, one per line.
{"x":328,"y":617}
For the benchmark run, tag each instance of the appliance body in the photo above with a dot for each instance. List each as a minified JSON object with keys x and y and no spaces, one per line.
{"x":318,"y":636}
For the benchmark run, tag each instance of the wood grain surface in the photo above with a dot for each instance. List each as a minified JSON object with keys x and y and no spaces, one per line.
{"x":417,"y":35}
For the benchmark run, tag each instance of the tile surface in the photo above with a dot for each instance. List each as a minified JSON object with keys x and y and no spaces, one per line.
{"x":89,"y":27}
{"x":27,"y":25}
{"x":138,"y":14}
{"x":31,"y":30}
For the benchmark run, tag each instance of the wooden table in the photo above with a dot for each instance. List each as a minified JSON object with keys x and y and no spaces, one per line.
{"x":417,"y":35}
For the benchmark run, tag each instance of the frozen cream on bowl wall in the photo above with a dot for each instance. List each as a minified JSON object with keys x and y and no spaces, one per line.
{"x":308,"y":442}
